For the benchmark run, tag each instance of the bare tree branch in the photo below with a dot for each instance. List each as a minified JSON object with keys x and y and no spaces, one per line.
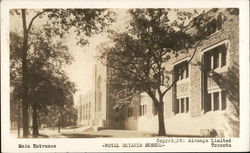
{"x":32,"y":20}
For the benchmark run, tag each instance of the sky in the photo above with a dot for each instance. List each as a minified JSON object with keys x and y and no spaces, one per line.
{"x":81,"y":70}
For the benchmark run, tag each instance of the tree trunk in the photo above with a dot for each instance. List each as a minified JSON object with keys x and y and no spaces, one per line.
{"x":162,"y":131}
{"x":59,"y":123}
{"x":35,"y":122}
{"x":19,"y":119}
{"x":24,"y":78}
{"x":62,"y":121}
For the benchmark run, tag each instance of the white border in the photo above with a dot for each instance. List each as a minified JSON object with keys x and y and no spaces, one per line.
{"x":94,"y":145}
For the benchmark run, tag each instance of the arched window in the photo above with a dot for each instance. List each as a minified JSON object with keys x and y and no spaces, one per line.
{"x":99,"y":93}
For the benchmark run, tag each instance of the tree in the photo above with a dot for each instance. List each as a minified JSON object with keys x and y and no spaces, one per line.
{"x":84,"y":22}
{"x":47,"y":83}
{"x":137,"y":57}
{"x":15,"y":83}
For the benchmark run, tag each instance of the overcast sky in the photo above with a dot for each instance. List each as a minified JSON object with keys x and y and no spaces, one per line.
{"x":81,"y":71}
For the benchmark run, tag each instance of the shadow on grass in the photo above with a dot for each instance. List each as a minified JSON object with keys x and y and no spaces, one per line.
{"x":84,"y":136}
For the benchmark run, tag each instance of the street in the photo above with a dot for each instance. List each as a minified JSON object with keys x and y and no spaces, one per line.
{"x":88,"y":132}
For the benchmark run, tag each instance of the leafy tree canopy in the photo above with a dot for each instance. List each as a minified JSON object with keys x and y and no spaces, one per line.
{"x":137,"y":56}
{"x":58,"y":22}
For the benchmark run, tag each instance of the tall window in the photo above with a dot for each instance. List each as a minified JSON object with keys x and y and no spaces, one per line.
{"x":216,"y":58}
{"x":216,"y":101}
{"x":80,"y":110}
{"x":86,"y":111}
{"x":99,"y":94}
{"x":143,"y":110}
{"x":181,"y":71}
{"x":89,"y":109}
{"x":214,"y":98}
{"x":83,"y":112}
{"x":182,"y":105}
{"x":187,"y":104}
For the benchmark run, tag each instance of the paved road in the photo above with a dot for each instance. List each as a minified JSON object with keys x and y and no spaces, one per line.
{"x":85,"y":132}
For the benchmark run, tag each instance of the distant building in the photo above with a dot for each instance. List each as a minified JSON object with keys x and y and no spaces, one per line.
{"x":95,"y":108}
{"x":200,"y":103}
{"x":85,"y":112}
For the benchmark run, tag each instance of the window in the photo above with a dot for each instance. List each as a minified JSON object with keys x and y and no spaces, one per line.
{"x":177,"y":106}
{"x":220,"y":20}
{"x":140,"y":110}
{"x":99,"y":94}
{"x":181,"y":71}
{"x":89,"y":109}
{"x":86,"y":112}
{"x":83,"y":112}
{"x":211,"y":27}
{"x":209,"y":106}
{"x":215,"y":24}
{"x":143,"y":110}
{"x":182,"y":105}
{"x":80,"y":110}
{"x":216,"y":58}
{"x":223,"y":56}
{"x":216,"y":101}
{"x":187,"y":104}
{"x":130,"y":111}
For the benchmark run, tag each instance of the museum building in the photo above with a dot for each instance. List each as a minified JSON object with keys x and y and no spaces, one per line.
{"x":203,"y":102}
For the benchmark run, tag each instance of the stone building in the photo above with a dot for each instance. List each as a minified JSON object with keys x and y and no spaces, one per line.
{"x":205,"y":99}
{"x":85,"y":109}
{"x":96,"y":107}
{"x":206,"y":95}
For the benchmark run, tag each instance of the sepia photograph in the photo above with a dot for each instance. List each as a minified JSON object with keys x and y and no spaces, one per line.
{"x":165,"y":73}
{"x":79,"y":73}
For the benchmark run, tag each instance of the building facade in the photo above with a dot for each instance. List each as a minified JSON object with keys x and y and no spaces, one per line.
{"x":205,"y":98}
{"x":96,"y":107}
